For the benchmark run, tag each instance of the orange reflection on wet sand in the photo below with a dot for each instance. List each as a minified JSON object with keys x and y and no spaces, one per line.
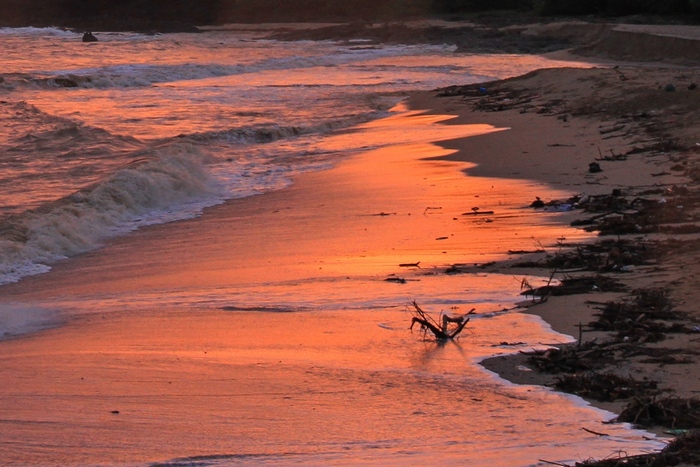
{"x":392,"y":205}
{"x":154,"y":382}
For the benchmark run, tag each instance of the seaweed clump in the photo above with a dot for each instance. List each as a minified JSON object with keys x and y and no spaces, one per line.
{"x":604,"y":387}
{"x":684,"y":449}
{"x":672,"y":412}
{"x":644,"y":319}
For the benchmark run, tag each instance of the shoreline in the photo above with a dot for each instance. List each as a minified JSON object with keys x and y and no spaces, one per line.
{"x":340,"y":232}
{"x":581,"y":116}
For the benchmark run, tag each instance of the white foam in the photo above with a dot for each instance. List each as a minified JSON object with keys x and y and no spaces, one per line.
{"x":140,"y":194}
{"x":18,"y":319}
{"x":32,"y":31}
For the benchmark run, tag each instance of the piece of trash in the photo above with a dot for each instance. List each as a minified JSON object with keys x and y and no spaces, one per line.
{"x":696,"y":328}
{"x":628,"y":268}
{"x":523,"y":368}
{"x":594,"y":167}
{"x":482,"y":90}
{"x":89,"y":37}
{"x":398,"y":280}
{"x":560,"y":208}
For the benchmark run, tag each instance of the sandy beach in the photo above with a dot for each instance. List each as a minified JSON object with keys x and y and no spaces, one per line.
{"x":394,"y":217}
{"x":640,"y":126}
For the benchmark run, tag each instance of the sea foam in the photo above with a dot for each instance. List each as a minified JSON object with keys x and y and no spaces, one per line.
{"x":18,"y":319}
{"x":142,"y":193}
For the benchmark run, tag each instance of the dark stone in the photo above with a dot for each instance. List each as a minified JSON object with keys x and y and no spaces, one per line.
{"x":89,"y":37}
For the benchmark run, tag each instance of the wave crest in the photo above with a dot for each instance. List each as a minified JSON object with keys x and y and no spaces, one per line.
{"x":142,"y":193}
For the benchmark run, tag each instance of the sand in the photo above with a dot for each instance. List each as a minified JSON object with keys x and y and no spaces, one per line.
{"x":557,"y":122}
{"x":573,"y":111}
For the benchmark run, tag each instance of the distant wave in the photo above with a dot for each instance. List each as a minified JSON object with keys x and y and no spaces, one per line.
{"x":31,"y":31}
{"x":143,"y":75}
{"x":272,"y":132}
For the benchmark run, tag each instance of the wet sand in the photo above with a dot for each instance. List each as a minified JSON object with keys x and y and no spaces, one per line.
{"x":160,"y":357}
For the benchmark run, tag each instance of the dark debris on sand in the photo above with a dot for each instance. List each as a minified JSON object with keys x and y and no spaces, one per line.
{"x":668,"y":217}
{"x":682,"y":450}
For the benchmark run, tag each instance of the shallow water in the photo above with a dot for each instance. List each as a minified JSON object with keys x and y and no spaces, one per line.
{"x":308,"y":357}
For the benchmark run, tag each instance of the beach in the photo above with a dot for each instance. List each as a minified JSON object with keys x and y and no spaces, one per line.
{"x":292,"y":346}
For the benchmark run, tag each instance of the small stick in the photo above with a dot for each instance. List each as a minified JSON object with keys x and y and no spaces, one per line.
{"x":554,"y":463}
{"x":594,"y":432}
{"x":580,"y":335}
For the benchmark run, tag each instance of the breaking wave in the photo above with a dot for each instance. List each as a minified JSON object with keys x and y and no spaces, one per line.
{"x":171,"y":184}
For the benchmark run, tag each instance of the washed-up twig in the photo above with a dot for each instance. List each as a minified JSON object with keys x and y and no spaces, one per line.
{"x":604,"y":131}
{"x":477,"y":213}
{"x":441,"y":332}
{"x":594,"y":432}
{"x":398,"y":280}
{"x":553,"y":463}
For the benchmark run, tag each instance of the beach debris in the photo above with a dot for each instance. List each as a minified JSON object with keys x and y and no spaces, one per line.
{"x":685,"y":449}
{"x":476,"y":212}
{"x":611,"y":129}
{"x":556,"y":360}
{"x":620,"y":74}
{"x":448,"y":327}
{"x":395,"y":279}
{"x":594,"y":167}
{"x":644,"y":317}
{"x":458,"y":269}
{"x":670,"y":412}
{"x":410,"y":265}
{"x":612,"y":157}
{"x":89,"y":37}
{"x":670,"y":88}
{"x":603,"y":387}
{"x":572,"y":286}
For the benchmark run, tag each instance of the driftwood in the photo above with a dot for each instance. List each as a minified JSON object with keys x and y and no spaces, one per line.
{"x":441,"y":331}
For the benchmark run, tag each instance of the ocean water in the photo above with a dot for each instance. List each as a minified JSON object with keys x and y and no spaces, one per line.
{"x":100,"y":140}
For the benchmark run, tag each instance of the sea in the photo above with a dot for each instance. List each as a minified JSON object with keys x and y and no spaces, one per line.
{"x":100,"y":140}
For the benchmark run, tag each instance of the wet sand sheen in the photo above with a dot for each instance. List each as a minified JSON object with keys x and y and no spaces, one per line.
{"x":365,"y":217}
{"x":319,"y":387}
